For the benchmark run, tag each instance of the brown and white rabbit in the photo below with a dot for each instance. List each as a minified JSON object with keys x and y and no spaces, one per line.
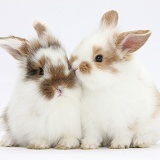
{"x":44,"y":109}
{"x":120,"y":103}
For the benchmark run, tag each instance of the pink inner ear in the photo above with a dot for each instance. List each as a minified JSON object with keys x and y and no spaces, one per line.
{"x":13,"y":52}
{"x":132,"y":41}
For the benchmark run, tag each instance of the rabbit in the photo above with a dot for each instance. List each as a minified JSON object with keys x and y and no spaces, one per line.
{"x":44,"y":109}
{"x":120,"y":105}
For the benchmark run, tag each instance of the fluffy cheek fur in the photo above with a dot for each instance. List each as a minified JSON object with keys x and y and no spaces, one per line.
{"x":91,"y":72}
{"x":96,"y":79}
{"x":98,"y":75}
{"x":47,"y":90}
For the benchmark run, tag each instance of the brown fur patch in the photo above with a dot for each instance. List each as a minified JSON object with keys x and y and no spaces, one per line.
{"x":24,"y":49}
{"x":85,"y":67}
{"x":29,"y":47}
{"x":110,"y":18}
{"x":33,"y":46}
{"x":58,"y":78}
{"x":53,"y":42}
{"x":108,"y":58}
{"x":40,"y":28}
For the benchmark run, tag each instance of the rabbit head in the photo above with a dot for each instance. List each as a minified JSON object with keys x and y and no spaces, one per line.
{"x":43,"y":62}
{"x":97,"y":58}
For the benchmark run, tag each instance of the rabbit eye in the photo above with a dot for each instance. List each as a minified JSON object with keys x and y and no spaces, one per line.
{"x":99,"y":58}
{"x":32,"y":72}
{"x":41,"y":72}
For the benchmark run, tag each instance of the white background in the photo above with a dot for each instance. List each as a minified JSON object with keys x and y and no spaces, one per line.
{"x":71,"y":21}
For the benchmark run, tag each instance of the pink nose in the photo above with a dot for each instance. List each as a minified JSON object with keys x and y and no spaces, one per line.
{"x":59,"y":89}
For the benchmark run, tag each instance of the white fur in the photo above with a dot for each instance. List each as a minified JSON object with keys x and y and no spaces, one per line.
{"x":33,"y":119}
{"x":57,"y":57}
{"x":37,"y":122}
{"x":112,"y":103}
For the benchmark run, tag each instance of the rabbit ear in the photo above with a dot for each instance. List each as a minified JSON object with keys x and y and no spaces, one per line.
{"x":45,"y":35}
{"x":41,"y":28}
{"x":110,"y":18}
{"x":128,"y":42}
{"x":15,"y":46}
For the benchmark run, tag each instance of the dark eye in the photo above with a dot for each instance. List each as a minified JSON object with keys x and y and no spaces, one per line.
{"x":35,"y":72}
{"x":40,"y":71}
{"x":32,"y":72}
{"x":99,"y":58}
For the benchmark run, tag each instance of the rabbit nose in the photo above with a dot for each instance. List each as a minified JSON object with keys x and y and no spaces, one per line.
{"x":60,"y":88}
{"x":85,"y":67}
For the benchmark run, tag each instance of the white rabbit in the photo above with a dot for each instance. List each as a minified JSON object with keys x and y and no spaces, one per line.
{"x":44,"y":109}
{"x":120,"y":104}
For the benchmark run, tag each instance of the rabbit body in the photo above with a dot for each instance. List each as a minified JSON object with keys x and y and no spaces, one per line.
{"x":121,"y":114}
{"x":32,"y":120}
{"x":120,"y":103}
{"x":44,"y":109}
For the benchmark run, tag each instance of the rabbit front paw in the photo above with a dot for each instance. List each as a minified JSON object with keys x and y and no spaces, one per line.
{"x":119,"y":146}
{"x":122,"y":143}
{"x":142,"y":141}
{"x":68,"y":143}
{"x":38,"y":145}
{"x":7,"y":141}
{"x":89,"y":144}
